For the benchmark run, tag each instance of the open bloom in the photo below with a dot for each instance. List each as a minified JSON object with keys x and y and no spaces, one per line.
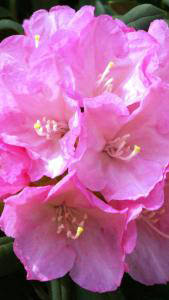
{"x":35,"y":112}
{"x":65,"y":228}
{"x":122,"y":155}
{"x":148,"y":263}
{"x":100,"y":60}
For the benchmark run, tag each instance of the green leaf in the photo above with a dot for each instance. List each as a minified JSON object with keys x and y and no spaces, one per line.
{"x":86,"y":2}
{"x":10,"y":25}
{"x":142,"y":15}
{"x":166,"y":2}
{"x":9,"y":263}
{"x":82,"y":294}
{"x":100,"y":9}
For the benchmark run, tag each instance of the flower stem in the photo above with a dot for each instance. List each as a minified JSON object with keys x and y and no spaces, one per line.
{"x":65,"y":285}
{"x":55,"y":290}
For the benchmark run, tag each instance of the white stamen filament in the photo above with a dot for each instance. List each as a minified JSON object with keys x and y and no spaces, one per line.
{"x":153,"y":217}
{"x":105,"y":82}
{"x":50,"y":128}
{"x":118,"y":148}
{"x":164,"y":235}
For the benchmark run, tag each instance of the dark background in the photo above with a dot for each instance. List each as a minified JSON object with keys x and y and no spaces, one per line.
{"x":13,"y":284}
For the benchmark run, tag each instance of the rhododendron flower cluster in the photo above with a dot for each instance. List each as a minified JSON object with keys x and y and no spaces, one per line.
{"x":84,"y":148}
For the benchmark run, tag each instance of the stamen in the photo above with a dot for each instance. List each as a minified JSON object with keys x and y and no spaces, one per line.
{"x":69,"y":221}
{"x":37,"y":39}
{"x":136,"y":150}
{"x":152,"y":218}
{"x":78,"y":232}
{"x":50,"y":128}
{"x":106,"y":71}
{"x":105,"y":82}
{"x":119,"y":148}
{"x":164,"y":235}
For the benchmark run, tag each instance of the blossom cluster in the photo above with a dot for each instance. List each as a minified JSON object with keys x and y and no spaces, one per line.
{"x":84,"y":148}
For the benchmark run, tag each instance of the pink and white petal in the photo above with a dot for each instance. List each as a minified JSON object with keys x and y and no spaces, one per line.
{"x":130,"y":180}
{"x":149,"y":261}
{"x":107,"y":106}
{"x":45,"y":254}
{"x":95,"y":269}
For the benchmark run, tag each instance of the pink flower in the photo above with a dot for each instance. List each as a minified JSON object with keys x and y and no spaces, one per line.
{"x":122,"y":155}
{"x":148,"y":263}
{"x":101,"y":60}
{"x":36,"y":112}
{"x":65,"y":228}
{"x":16,"y":169}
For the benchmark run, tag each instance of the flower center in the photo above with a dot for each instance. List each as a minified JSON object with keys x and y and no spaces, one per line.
{"x":152,"y":218}
{"x":69,"y":221}
{"x":105,"y":80}
{"x":50,"y":128}
{"x":119,"y":148}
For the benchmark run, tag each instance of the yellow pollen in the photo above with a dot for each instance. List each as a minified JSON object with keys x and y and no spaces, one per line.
{"x":37,"y":38}
{"x":137,"y":149}
{"x":79,"y":231}
{"x":111,"y":65}
{"x":37,"y":125}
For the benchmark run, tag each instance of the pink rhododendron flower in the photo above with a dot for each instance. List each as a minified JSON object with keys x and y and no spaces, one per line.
{"x":37,"y":113}
{"x":122,"y":155}
{"x":84,"y":100}
{"x":65,"y":228}
{"x":101,"y":60}
{"x":148,"y":263}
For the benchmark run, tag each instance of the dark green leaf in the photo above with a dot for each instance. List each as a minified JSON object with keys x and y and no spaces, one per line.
{"x":166,"y":2}
{"x":9,"y":263}
{"x":100,"y":9}
{"x":12,"y":25}
{"x":142,"y":15}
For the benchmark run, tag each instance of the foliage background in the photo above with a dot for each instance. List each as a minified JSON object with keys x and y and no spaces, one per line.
{"x":13,"y":283}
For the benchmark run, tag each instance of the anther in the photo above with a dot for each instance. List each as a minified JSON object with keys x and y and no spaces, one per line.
{"x":37,"y":39}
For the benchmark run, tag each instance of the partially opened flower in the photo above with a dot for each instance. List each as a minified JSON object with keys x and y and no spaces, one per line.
{"x":65,"y":228}
{"x":122,"y":155}
{"x":148,"y":263}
